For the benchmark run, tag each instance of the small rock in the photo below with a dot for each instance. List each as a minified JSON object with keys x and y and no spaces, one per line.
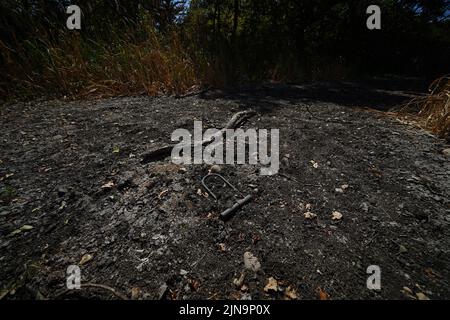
{"x":215,"y":169}
{"x":251,"y":262}
{"x":339,"y":190}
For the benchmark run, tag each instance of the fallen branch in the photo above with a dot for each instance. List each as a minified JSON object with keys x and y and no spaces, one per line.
{"x":237,"y":120}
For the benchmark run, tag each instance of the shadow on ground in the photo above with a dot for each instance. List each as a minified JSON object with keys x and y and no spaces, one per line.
{"x":379,"y":94}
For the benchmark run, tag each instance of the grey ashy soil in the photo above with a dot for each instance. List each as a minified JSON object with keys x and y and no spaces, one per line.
{"x":73,"y":187}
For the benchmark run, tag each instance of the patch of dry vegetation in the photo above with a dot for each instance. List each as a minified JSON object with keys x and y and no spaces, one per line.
{"x":75,"y":66}
{"x":433,"y":110}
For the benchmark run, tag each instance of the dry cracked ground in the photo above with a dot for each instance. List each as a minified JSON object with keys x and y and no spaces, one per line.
{"x":74,"y":191}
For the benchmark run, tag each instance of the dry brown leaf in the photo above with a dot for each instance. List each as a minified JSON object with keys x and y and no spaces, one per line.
{"x":194,"y":284}
{"x":291,"y":293}
{"x":432,"y":273}
{"x":222,"y":247}
{"x":272,"y":285}
{"x":323,"y":295}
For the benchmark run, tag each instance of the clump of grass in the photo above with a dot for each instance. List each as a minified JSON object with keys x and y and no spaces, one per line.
{"x":433,"y":110}
{"x":76,"y":66}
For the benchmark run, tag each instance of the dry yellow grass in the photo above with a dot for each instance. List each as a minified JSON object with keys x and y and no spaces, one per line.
{"x":433,"y":110}
{"x":79,"y":67}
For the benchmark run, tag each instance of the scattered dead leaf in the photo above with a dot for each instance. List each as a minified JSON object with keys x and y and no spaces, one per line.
{"x":173,"y":294}
{"x":236,"y":295}
{"x":309,"y":215}
{"x":203,"y":194}
{"x":85,"y":259}
{"x":255,"y":238}
{"x":432,"y":273}
{"x":272,"y":285}
{"x":194,"y":284}
{"x":336,"y":215}
{"x":421,"y":296}
{"x":408,"y":292}
{"x":323,"y":295}
{"x":108,"y":185}
{"x":290,"y":293}
{"x":222,"y":247}
{"x":314,"y":164}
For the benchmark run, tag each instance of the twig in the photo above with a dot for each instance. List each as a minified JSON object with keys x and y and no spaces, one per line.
{"x":94,"y":285}
{"x":236,"y":120}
